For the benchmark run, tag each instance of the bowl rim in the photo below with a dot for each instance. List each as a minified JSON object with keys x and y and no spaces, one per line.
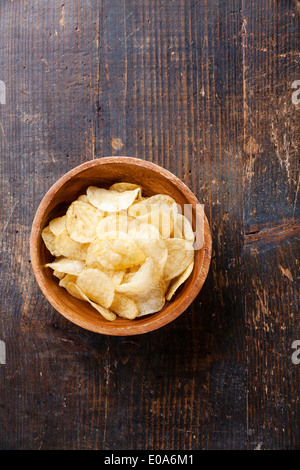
{"x":153,"y":323}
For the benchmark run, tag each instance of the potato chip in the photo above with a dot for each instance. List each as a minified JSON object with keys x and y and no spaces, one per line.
{"x":143,"y":231}
{"x":96,"y":286}
{"x":115,"y":223}
{"x":151,"y":300}
{"x":157,"y":202}
{"x":183,"y":228}
{"x":111,"y":200}
{"x":115,"y":250}
{"x":123,"y":223}
{"x":124,"y":306}
{"x":67,"y":247}
{"x":180,"y":255}
{"x":68,"y":282}
{"x":125,"y":187}
{"x":81,"y":221}
{"x":143,"y":279}
{"x":129,"y":273}
{"x":49,"y":239}
{"x":161,"y":219}
{"x":105,"y":312}
{"x":116,"y":276}
{"x":157,"y":250}
{"x":58,"y":274}
{"x":67,"y":266}
{"x":137,"y":201}
{"x":57,"y":225}
{"x":83,"y":198}
{"x":178,"y":281}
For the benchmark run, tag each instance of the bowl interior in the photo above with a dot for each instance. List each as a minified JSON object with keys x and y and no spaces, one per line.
{"x":56,"y":202}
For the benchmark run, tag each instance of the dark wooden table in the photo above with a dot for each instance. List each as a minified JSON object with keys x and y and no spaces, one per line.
{"x":205,"y":89}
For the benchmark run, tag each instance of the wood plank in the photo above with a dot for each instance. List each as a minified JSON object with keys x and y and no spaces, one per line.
{"x":271,"y":146}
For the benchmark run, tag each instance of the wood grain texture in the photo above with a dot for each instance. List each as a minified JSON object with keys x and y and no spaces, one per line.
{"x":203,"y":88}
{"x":271,"y":146}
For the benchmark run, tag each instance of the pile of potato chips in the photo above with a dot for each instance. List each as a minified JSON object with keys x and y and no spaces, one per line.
{"x":123,"y":253}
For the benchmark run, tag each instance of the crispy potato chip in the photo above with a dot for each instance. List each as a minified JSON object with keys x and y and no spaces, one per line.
{"x":157,"y":202}
{"x":130,"y":272}
{"x":157,"y":250}
{"x":67,"y":266}
{"x":110,"y":200}
{"x":152,"y":300}
{"x":81,"y":221}
{"x":58,"y":274}
{"x":178,"y":281}
{"x":83,"y":198}
{"x":124,"y":306}
{"x":105,"y":312}
{"x":130,"y":225}
{"x":116,"y":276}
{"x":183,"y":229}
{"x":120,"y":187}
{"x":136,"y":201}
{"x":115,"y":223}
{"x":162,"y":220}
{"x":142,"y":231}
{"x":96,"y":286}
{"x":68,"y":282}
{"x":115,"y":250}
{"x":49,"y":239}
{"x":67,"y":247}
{"x":180,"y":255}
{"x":142,"y":280}
{"x":57,"y":225}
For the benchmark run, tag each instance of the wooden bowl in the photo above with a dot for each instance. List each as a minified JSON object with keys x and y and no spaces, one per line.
{"x":103,"y":172}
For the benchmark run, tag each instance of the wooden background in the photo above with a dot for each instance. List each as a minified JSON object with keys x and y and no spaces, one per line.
{"x":203,"y":88}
